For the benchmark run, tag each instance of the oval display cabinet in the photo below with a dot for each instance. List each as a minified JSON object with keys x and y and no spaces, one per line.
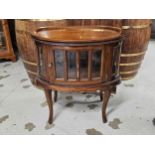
{"x":78,"y":59}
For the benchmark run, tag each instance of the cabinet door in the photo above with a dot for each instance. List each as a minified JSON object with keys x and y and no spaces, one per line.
{"x":74,"y":65}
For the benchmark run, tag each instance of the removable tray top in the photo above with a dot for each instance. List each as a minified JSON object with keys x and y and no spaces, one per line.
{"x":77,"y":34}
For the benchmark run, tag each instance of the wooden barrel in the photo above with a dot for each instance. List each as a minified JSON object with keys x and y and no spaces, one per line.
{"x":26,"y":46}
{"x":87,"y":22}
{"x":137,"y":35}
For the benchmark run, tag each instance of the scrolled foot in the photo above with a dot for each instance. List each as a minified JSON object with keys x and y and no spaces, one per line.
{"x":106,"y":96}
{"x":50,"y":120}
{"x":104,"y":119}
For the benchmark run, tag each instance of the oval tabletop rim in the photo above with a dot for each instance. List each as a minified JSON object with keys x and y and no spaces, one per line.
{"x":79,"y":29}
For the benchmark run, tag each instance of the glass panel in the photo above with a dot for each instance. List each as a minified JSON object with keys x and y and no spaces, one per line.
{"x":84,"y":65}
{"x":71,"y":56}
{"x":2,"y":39}
{"x":1,"y":26}
{"x":96,"y":63}
{"x":41,"y":62}
{"x":116,"y":55}
{"x":59,"y":63}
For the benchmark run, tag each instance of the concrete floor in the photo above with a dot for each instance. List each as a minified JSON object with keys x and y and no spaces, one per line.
{"x":23,"y":109}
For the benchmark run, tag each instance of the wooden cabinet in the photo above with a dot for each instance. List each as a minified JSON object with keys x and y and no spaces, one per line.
{"x":78,"y":59}
{"x":6,"y":50}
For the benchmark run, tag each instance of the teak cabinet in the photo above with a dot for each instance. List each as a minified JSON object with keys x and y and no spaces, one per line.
{"x":78,"y":59}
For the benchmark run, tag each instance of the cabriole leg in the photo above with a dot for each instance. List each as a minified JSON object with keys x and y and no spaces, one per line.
{"x":48,"y":94}
{"x":106,"y":95}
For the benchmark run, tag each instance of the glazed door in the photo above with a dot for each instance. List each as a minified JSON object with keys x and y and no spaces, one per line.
{"x":75,"y":65}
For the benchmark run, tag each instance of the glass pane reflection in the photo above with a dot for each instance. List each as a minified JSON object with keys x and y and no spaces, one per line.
{"x":96,"y":63}
{"x":84,"y":65}
{"x":71,"y":58}
{"x":59,"y":62}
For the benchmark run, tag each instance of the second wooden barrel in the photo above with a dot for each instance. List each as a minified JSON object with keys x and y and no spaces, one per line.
{"x":137,"y":35}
